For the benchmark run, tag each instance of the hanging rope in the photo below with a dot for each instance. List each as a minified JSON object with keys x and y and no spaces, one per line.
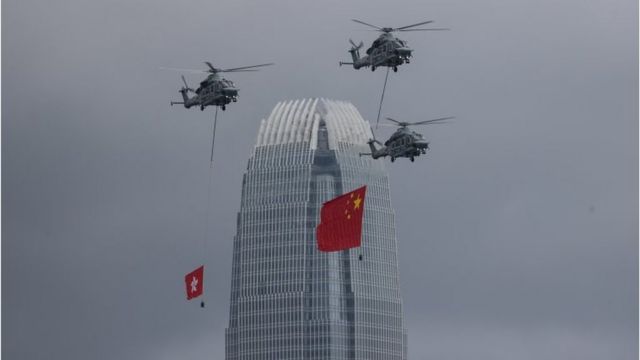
{"x":206,"y":227}
{"x":382,"y":97}
{"x":206,"y":220}
{"x":213,"y":137}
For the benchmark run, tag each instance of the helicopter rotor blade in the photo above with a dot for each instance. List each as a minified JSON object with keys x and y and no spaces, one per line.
{"x":246,"y":70}
{"x":434,"y":29}
{"x":193,"y":71}
{"x":356,"y":47}
{"x":395,"y":121}
{"x":211,"y":68}
{"x":373,"y":135}
{"x":425,"y":122}
{"x":364,"y":23}
{"x":245,"y":67}
{"x":410,"y":26}
{"x":433,"y":121}
{"x":184,"y":81}
{"x":186,"y":86}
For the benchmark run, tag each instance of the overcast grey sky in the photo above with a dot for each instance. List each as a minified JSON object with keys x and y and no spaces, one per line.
{"x":518,"y":232}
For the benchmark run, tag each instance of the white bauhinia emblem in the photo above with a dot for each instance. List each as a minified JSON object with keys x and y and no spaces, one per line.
{"x":194,"y":284}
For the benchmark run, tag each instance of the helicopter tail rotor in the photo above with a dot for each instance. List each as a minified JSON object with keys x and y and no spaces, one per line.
{"x":373,"y":137}
{"x":355,"y":54}
{"x":186,"y":86}
{"x":354,"y":46}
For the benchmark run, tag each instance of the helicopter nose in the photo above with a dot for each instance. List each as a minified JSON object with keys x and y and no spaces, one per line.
{"x":421,"y":144}
{"x":405,"y":51}
{"x":231,"y":91}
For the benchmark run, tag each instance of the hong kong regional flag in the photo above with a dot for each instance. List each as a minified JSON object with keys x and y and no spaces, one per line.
{"x":194,"y":282}
{"x":340,"y":225}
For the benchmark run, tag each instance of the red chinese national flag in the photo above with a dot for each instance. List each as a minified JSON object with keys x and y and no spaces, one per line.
{"x":340,"y":225}
{"x":195,"y":283}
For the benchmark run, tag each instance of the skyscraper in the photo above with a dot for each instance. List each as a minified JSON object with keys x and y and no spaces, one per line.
{"x":289,"y":300}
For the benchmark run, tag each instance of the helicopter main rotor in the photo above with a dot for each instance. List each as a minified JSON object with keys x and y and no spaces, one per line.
{"x":404,"y":124}
{"x":400,"y":29}
{"x":214,"y":70}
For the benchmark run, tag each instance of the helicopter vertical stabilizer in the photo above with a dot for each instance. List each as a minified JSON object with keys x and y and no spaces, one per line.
{"x":355,"y":55}
{"x":372,"y":147}
{"x":185,"y":97}
{"x":186,"y":101}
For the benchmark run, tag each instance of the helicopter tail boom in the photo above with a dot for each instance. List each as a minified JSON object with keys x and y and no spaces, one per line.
{"x":355,"y":54}
{"x":186,"y":101}
{"x":185,"y":98}
{"x":375,"y":153}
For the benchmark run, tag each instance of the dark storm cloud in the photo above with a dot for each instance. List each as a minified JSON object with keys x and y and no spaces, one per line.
{"x":517,"y":233}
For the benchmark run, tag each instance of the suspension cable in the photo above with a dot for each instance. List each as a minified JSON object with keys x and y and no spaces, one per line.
{"x":382,"y":97}
{"x":206,"y":220}
{"x":213,"y":137}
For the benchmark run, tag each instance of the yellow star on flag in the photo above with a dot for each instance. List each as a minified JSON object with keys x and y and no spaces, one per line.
{"x":356,"y":203}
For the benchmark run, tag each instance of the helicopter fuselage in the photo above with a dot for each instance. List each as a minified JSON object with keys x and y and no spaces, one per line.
{"x":386,"y":50}
{"x":403,"y":143}
{"x":214,"y":91}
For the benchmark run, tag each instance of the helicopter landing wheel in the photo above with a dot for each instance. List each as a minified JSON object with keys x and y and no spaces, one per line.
{"x":395,"y":69}
{"x":224,"y":108}
{"x":393,"y":159}
{"x":412,"y":159}
{"x":201,"y":108}
{"x":373,"y":68}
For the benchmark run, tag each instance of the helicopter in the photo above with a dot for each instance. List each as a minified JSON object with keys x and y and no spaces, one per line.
{"x":214,"y":90}
{"x":386,"y":50}
{"x":404,"y":142}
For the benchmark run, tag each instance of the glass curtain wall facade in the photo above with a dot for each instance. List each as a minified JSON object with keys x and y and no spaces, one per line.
{"x":289,"y":300}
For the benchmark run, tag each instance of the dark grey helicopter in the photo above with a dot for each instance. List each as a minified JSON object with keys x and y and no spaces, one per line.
{"x":214,"y":90}
{"x":404,"y":142}
{"x":386,"y":50}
